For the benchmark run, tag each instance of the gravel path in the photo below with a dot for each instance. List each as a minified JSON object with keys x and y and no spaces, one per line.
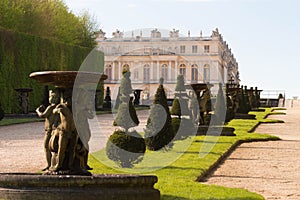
{"x":271,"y":169}
{"x":21,"y":146}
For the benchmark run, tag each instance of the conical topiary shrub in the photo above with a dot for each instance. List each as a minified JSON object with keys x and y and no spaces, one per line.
{"x":220,"y":107}
{"x":125,"y":147}
{"x":159,"y":132}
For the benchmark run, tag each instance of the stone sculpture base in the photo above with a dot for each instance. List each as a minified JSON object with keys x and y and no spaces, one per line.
{"x":216,"y":130}
{"x":104,"y":187}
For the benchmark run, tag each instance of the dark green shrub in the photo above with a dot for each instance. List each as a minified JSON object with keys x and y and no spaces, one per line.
{"x":242,"y":107}
{"x":247,"y":100}
{"x":1,"y":112}
{"x":159,"y":131}
{"x":126,"y":149}
{"x":126,"y":116}
{"x":183,"y":128}
{"x":257,"y":98}
{"x":175,"y":110}
{"x":220,"y":107}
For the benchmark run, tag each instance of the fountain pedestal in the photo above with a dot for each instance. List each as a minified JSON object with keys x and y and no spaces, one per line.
{"x":67,"y":177}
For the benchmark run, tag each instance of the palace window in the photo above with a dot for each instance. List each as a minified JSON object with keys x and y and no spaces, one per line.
{"x":108,"y":72}
{"x":182,"y":70}
{"x":182,"y":49}
{"x":206,"y":73}
{"x":206,"y":48}
{"x":136,"y":74}
{"x":194,"y":73}
{"x":146,"y":73}
{"x":194,"y":49}
{"x":164,"y":72}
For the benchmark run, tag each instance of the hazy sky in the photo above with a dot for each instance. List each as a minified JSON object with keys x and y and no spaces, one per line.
{"x":264,"y":35}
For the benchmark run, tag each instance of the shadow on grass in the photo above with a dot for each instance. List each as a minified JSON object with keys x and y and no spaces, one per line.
{"x":169,"y":197}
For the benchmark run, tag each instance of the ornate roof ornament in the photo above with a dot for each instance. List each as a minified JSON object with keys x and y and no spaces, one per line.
{"x":174,"y":33}
{"x":155,"y":34}
{"x":118,"y":34}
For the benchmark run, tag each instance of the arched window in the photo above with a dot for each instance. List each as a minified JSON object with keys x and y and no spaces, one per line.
{"x":206,"y":73}
{"x":108,"y":72}
{"x":182,"y":70}
{"x":146,"y":73}
{"x":125,"y":67}
{"x":194,"y":73}
{"x":164,"y":72}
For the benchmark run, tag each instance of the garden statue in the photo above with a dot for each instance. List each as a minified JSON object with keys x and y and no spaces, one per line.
{"x":51,"y":122}
{"x":69,"y":139}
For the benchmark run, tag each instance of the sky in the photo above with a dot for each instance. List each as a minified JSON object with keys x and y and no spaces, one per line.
{"x":264,"y":35}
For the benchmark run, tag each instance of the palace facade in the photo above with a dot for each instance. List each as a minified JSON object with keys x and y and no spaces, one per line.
{"x":200,"y":59}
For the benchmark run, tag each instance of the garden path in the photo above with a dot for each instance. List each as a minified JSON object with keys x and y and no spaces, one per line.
{"x":21,"y":145}
{"x":271,"y":169}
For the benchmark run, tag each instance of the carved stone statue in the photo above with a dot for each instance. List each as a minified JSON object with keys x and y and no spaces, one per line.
{"x":51,"y":122}
{"x":67,"y":138}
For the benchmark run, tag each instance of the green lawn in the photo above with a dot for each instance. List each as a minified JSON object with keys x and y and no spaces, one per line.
{"x":178,"y":169}
{"x":10,"y":121}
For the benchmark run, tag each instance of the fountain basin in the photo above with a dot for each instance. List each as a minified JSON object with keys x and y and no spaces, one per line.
{"x":105,"y":187}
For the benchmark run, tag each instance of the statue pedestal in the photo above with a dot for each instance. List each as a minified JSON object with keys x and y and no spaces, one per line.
{"x":104,"y":187}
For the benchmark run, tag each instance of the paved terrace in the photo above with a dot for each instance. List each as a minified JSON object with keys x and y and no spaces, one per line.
{"x":271,"y":169}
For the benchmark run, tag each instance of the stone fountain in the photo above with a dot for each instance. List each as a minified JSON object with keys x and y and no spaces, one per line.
{"x":67,"y":175}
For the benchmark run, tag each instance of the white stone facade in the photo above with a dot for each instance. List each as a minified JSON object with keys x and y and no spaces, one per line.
{"x":200,"y":59}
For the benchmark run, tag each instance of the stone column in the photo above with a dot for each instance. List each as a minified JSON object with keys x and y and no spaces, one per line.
{"x":151,"y":71}
{"x":157,"y":71}
{"x":120,"y":71}
{"x":169,"y":71}
{"x":113,"y":78}
{"x":176,"y":69}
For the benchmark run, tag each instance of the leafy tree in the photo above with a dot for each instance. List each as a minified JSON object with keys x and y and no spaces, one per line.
{"x":50,"y":19}
{"x":159,"y":132}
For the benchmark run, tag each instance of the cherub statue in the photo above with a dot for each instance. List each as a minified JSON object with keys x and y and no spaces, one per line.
{"x":51,"y":122}
{"x":67,"y":137}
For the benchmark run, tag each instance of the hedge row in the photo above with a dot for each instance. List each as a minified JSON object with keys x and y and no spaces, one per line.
{"x":22,"y":54}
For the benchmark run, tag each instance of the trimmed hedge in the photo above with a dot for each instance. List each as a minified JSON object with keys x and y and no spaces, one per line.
{"x":22,"y":54}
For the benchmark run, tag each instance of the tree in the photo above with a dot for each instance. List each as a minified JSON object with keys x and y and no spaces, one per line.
{"x":49,"y":19}
{"x":123,"y":146}
{"x":180,"y":84}
{"x":176,"y":108}
{"x":159,"y":132}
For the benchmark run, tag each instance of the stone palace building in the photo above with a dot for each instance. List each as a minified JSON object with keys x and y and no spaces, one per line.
{"x":200,"y":59}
